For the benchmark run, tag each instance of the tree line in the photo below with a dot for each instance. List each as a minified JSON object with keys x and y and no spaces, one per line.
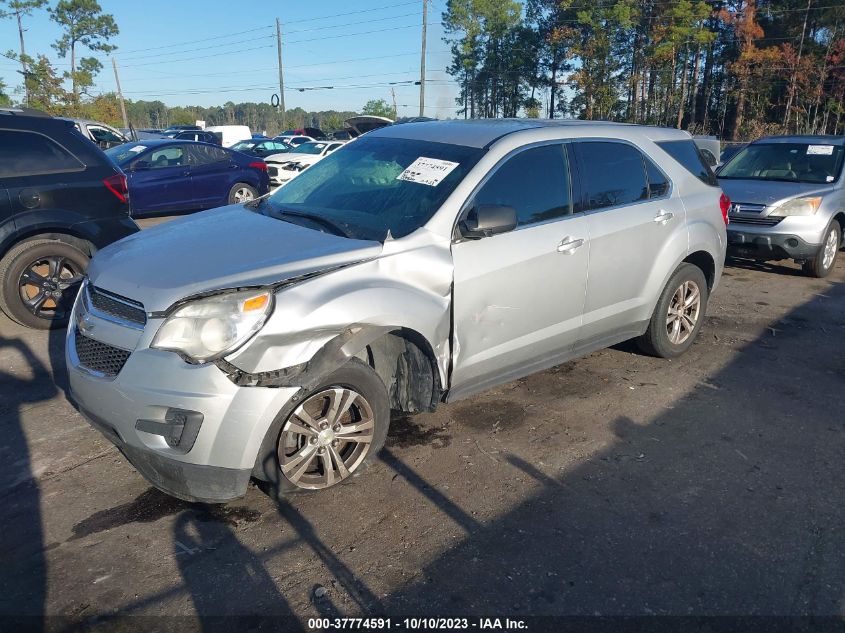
{"x":735,"y":68}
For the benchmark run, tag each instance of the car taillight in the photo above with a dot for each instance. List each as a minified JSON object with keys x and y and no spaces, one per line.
{"x":725,"y":205}
{"x":259,"y":165}
{"x":118,"y":186}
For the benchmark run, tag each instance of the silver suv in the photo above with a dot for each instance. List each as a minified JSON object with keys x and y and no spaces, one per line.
{"x":788,"y":200}
{"x":420,"y":264}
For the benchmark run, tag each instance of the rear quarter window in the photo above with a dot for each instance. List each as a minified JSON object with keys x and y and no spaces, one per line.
{"x":25,"y":153}
{"x":686,"y":152}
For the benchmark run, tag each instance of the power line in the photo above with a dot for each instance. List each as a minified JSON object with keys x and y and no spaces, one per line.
{"x":339,"y":15}
{"x":205,"y":39}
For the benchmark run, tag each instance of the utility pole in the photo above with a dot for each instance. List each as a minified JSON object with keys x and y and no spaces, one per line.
{"x":119,"y":93}
{"x":25,"y":72}
{"x":422,"y":59}
{"x":393,"y":94}
{"x":281,"y":76}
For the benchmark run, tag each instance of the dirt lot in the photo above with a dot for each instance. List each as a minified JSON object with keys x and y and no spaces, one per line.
{"x":616,"y":484}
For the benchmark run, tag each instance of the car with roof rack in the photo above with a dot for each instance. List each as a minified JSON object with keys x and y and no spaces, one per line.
{"x":422,"y":263}
{"x":61,"y":200}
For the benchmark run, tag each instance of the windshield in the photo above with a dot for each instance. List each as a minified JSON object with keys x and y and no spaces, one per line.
{"x":787,"y":162}
{"x":310,"y":148}
{"x":368,"y":190}
{"x":124,"y":153}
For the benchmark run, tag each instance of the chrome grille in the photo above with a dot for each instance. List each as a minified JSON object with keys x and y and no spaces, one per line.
{"x":747,"y":207}
{"x":768,"y":221}
{"x":99,"y":357}
{"x":117,"y":306}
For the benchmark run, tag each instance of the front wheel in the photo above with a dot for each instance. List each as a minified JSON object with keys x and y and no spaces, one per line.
{"x":39,"y":280}
{"x":822,"y":264}
{"x":241,"y":193}
{"x":679,"y":314}
{"x":329,"y":435}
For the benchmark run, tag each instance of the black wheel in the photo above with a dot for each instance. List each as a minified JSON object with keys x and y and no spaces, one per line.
{"x":822,"y":264}
{"x":242,"y":192}
{"x":327,"y":436}
{"x":678,"y":315}
{"x":39,"y":280}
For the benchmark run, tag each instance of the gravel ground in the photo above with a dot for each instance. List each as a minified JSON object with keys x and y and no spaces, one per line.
{"x":614,"y":484}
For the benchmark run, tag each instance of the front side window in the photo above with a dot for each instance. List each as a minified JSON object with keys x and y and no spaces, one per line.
{"x":612,"y":174}
{"x":818,"y":163}
{"x":371,"y":189}
{"x":167,"y":157}
{"x":28,"y":153}
{"x":535,"y":182}
{"x":102,"y":135}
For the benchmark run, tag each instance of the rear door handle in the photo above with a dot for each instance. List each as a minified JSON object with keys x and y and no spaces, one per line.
{"x":569,"y":245}
{"x":663,"y":216}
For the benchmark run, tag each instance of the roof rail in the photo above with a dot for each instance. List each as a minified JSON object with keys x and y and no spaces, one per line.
{"x":21,"y":111}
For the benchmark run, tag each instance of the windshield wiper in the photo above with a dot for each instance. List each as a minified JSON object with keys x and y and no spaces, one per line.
{"x":317,"y":219}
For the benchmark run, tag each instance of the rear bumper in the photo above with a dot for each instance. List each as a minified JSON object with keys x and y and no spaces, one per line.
{"x":768,"y":245}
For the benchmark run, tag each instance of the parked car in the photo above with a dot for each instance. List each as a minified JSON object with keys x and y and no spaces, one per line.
{"x":285,"y":166}
{"x":293,"y":140}
{"x":230,"y":134}
{"x":314,"y":132}
{"x":173,"y":130}
{"x":171,"y":175}
{"x":421,"y":264}
{"x":261,"y":148}
{"x":61,"y":199}
{"x":197,"y":135}
{"x":788,"y":197}
{"x":710,"y":149}
{"x":103,"y":135}
{"x":729,"y":150}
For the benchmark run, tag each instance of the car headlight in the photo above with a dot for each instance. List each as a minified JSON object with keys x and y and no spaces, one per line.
{"x":209,"y":328}
{"x":798,"y":206}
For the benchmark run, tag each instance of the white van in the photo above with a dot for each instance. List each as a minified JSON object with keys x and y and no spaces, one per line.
{"x":230,"y":134}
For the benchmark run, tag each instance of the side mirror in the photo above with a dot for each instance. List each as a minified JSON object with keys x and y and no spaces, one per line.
{"x":488,"y":219}
{"x":140,"y":165}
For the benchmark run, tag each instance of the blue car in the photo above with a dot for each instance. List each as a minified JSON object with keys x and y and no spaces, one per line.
{"x":171,"y":175}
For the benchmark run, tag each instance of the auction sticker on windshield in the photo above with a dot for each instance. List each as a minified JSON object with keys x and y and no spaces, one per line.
{"x":427,"y":171}
{"x":820,"y":150}
{"x":137,"y":148}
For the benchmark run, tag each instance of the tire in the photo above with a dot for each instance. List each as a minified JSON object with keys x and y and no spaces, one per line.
{"x":657,"y":340}
{"x":285,"y":451}
{"x":242,"y":192}
{"x":822,"y":264}
{"x":38,"y":258}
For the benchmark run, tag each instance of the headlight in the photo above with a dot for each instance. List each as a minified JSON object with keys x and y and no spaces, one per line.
{"x":798,"y":206}
{"x":206,"y":329}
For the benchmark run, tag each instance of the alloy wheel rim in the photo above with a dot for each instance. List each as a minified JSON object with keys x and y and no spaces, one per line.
{"x":830,"y":248}
{"x":243,"y":195}
{"x":326,"y":438}
{"x":682,"y":315}
{"x":44,"y":284}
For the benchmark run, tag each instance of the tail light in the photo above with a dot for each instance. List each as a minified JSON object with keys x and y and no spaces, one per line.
{"x":117,"y":184}
{"x":259,"y":164}
{"x":725,"y":205}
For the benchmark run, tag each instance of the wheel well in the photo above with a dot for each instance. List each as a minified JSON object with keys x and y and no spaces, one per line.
{"x":77,"y":242}
{"x":405,"y":362}
{"x":705,"y":262}
{"x":840,"y":217}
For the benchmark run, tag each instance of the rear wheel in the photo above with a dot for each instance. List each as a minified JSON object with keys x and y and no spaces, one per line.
{"x":241,"y":193}
{"x":822,"y":264}
{"x":39,"y":280}
{"x":679,"y":313}
{"x":328,"y":436}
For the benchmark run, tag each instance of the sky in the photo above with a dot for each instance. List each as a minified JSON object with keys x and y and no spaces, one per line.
{"x":192,"y":52}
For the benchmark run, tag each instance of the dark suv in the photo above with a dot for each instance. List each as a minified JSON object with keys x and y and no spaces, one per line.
{"x":61,"y":199}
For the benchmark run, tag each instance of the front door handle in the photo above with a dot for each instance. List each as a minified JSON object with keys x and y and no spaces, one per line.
{"x":569,"y":245}
{"x":663,"y":216}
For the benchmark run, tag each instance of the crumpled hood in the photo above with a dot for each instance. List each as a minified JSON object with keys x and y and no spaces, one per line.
{"x":769,"y":192}
{"x":224,"y":248}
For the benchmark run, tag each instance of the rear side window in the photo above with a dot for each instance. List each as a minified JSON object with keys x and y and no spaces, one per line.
{"x":535,"y":182}
{"x":27,"y":153}
{"x":658,"y":184}
{"x":686,"y":152}
{"x":206,"y":154}
{"x":612,"y":174}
